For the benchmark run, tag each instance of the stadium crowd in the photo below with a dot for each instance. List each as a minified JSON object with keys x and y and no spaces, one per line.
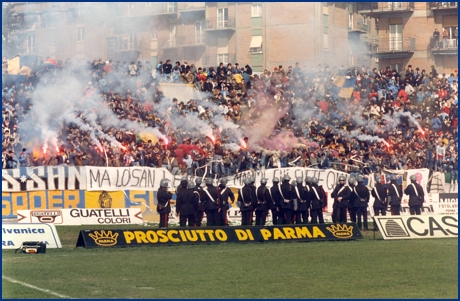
{"x":402,"y":119}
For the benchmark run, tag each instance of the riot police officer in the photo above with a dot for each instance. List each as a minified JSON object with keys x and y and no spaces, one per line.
{"x":394,"y":196}
{"x":186,"y":204}
{"x":245,"y":198}
{"x":287,"y":195}
{"x":263,"y":199}
{"x":341,"y":196}
{"x":276,"y":201}
{"x":316,"y":202}
{"x":380,"y":198}
{"x":199,"y":212}
{"x":211,"y":205}
{"x":353,"y":202}
{"x":164,"y":203}
{"x":224,"y":194}
{"x":416,"y":196}
{"x":301,"y":214}
{"x":362,"y":197}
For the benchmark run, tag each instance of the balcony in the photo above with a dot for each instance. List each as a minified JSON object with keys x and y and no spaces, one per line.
{"x":167,"y":8}
{"x":359,"y":28}
{"x":192,"y":7}
{"x":395,"y":48}
{"x":192,"y":40}
{"x":442,"y":8}
{"x":379,"y":9}
{"x":213,"y":60}
{"x":214,"y":24}
{"x":169,"y":43}
{"x":446,"y":47}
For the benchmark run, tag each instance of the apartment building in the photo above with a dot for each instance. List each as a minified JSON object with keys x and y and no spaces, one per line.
{"x":405,"y":34}
{"x":261,"y":34}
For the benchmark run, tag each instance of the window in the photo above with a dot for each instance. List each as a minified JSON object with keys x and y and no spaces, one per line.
{"x":172,"y":35}
{"x":397,"y":66}
{"x":199,"y":32}
{"x":325,"y":41}
{"x":256,"y":44}
{"x":256,"y":10}
{"x":396,"y":40}
{"x":171,"y":7}
{"x":154,"y":33}
{"x":132,"y":41}
{"x":394,"y":5}
{"x":350,"y":21}
{"x":30,"y":44}
{"x":325,"y":23}
{"x":223,"y":57}
{"x":451,"y":33}
{"x":364,"y":20}
{"x":80,"y":34}
{"x":222,"y":17}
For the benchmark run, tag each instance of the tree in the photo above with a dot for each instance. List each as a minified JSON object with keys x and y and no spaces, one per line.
{"x":11,"y":42}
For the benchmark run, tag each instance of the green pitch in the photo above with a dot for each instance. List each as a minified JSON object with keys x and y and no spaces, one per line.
{"x":367,"y":268}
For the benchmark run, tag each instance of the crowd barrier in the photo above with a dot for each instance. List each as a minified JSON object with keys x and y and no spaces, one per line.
{"x":67,"y":187}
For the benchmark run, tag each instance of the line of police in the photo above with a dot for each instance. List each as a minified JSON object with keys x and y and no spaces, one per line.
{"x":289,"y":203}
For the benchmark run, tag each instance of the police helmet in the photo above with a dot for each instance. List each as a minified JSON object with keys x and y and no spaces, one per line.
{"x":341,"y":178}
{"x":263,"y":181}
{"x":413,"y":178}
{"x":293,"y":182}
{"x":198,"y":181}
{"x":190,"y":185}
{"x":308,"y":180}
{"x":208,"y":181}
{"x":252,"y":179}
{"x":247,"y":181}
{"x":379,"y":180}
{"x":286,"y":178}
{"x":164,"y":183}
{"x":352,"y":181}
{"x":299,"y":180}
{"x":314,"y":180}
{"x":360,"y":179}
{"x":392,"y":177}
{"x":275,"y":180}
{"x":223,"y":181}
{"x":183,"y":179}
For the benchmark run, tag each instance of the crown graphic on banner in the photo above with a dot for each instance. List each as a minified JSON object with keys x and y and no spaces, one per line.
{"x":341,"y":231}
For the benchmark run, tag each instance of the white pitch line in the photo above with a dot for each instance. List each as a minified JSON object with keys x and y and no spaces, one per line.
{"x":34,"y":287}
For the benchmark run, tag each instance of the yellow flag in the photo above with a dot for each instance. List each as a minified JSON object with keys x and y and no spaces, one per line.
{"x":13,"y":66}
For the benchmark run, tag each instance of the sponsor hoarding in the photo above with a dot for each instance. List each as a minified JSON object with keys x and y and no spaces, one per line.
{"x":13,"y":235}
{"x":211,"y":235}
{"x":78,"y":216}
{"x":417,"y":226}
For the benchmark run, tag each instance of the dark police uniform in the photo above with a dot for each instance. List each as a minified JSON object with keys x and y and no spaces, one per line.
{"x":164,"y":206}
{"x":301,"y":214}
{"x":245,"y":196}
{"x":186,"y":205}
{"x":380,"y":199}
{"x":341,"y":191}
{"x":275,"y":203}
{"x":263,"y":199}
{"x":416,"y":197}
{"x":224,"y":193}
{"x":361,"y":197}
{"x":287,"y":194}
{"x":394,"y":196}
{"x":211,"y":206}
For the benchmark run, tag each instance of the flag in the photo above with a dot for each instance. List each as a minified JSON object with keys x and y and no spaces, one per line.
{"x":13,"y":66}
{"x":343,"y":86}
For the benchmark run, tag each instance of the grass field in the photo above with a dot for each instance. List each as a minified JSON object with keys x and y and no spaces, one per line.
{"x":367,"y":268}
